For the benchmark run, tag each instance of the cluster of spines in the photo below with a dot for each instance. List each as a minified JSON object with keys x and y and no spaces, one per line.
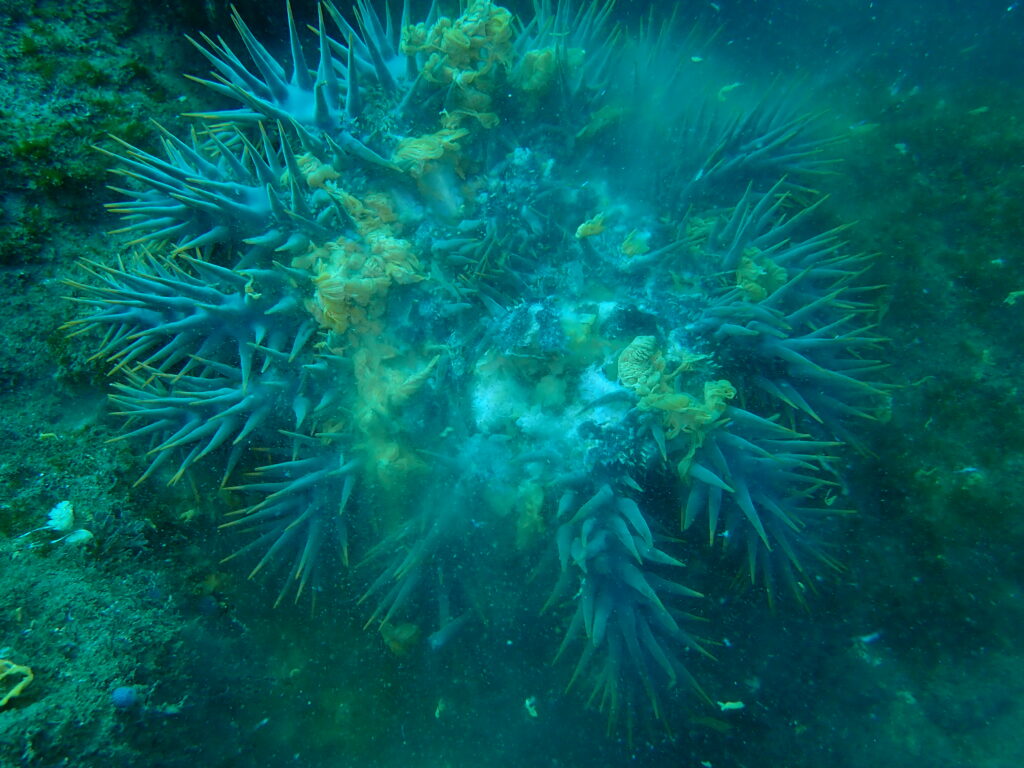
{"x":807,"y":339}
{"x":221,"y":189}
{"x":798,"y":347}
{"x":763,"y":488}
{"x":756,"y":480}
{"x":322,"y":109}
{"x":157,"y":315}
{"x":624,"y":614}
{"x":303,"y":504}
{"x":210,"y":359}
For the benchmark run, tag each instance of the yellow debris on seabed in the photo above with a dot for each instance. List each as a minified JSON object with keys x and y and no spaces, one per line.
{"x":643,"y":368}
{"x":637,"y":243}
{"x":12,"y":688}
{"x":757,"y":276}
{"x":416,"y":154}
{"x":590,"y":227}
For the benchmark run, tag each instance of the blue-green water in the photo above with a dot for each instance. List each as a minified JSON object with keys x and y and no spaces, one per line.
{"x":473,"y":405}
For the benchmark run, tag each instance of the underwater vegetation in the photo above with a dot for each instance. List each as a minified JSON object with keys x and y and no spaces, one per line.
{"x":451,"y":299}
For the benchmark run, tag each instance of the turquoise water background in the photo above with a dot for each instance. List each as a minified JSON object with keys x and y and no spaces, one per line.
{"x":910,"y":655}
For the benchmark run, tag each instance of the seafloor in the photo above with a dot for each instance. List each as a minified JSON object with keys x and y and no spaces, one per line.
{"x":912,"y":656}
